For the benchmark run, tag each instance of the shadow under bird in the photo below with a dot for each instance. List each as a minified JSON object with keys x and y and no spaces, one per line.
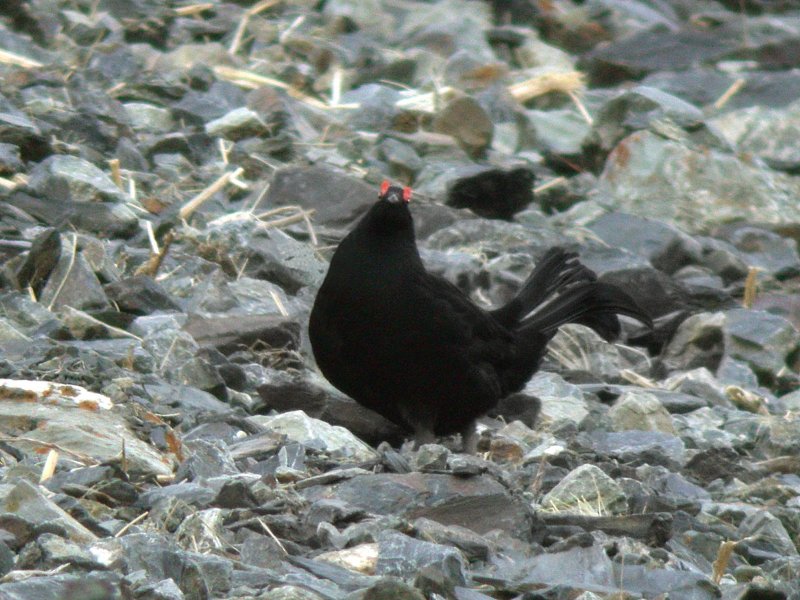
{"x":413,"y":347}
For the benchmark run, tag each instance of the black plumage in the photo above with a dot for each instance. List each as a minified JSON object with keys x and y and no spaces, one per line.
{"x":412,"y":347}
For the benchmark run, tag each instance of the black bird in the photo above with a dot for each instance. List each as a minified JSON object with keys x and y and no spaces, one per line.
{"x":413,"y":347}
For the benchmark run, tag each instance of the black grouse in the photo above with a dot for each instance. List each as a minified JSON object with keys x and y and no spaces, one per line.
{"x":413,"y":347}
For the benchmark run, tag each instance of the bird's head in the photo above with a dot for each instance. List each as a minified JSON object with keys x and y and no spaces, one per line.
{"x":394,"y":194}
{"x":390,"y":214}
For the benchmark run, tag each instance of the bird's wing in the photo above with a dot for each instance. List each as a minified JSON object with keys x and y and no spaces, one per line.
{"x":456,"y":318}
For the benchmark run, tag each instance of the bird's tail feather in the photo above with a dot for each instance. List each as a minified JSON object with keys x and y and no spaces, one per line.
{"x":556,"y":269}
{"x":591,"y":303}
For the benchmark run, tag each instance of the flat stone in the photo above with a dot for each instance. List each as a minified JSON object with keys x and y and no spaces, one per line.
{"x":30,"y":502}
{"x":238,"y":124}
{"x":317,"y":434}
{"x":479,"y":504}
{"x":644,"y":166}
{"x":65,"y":178}
{"x":559,"y":399}
{"x":466,"y":121}
{"x":652,"y":447}
{"x":586,"y":490}
{"x":403,"y":556}
{"x":73,"y":283}
{"x":76,"y":420}
{"x":337,"y":199}
{"x":231,"y":333}
{"x":640,"y":410}
{"x":149,"y":117}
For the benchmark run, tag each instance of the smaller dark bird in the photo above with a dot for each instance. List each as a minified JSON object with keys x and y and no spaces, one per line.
{"x":411,"y":346}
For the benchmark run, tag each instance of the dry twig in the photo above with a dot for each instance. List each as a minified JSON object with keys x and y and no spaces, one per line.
{"x":548,"y":184}
{"x":253,"y":81}
{"x":196,"y":202}
{"x":49,"y":466}
{"x":84,"y":458}
{"x":193,"y":9}
{"x":750,"y":287}
{"x":730,"y":93}
{"x":136,"y":521}
{"x":116,"y":175}
{"x":726,"y":549}
{"x":153,"y":264}
{"x":570,"y":82}
{"x":242,"y":26}
{"x":10,"y":58}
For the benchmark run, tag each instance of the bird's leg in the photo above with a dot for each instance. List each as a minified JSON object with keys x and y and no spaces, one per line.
{"x":469,"y":439}
{"x":420,"y":420}
{"x":423,"y":435}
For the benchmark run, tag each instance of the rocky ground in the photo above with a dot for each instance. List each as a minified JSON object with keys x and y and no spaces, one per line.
{"x":174,"y":177}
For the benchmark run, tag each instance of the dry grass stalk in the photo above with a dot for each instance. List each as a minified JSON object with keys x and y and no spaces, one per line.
{"x":22,"y":575}
{"x":153,"y":264}
{"x":242,"y":26}
{"x":24,"y":244}
{"x":300,"y":214}
{"x":336,"y":86}
{"x":196,"y":202}
{"x":116,"y":174}
{"x":723,"y":558}
{"x":536,"y":485}
{"x":730,"y":93}
{"x":548,"y":184}
{"x":277,"y":300}
{"x":311,"y":233}
{"x":428,"y":102}
{"x":136,"y":521}
{"x":272,"y":535}
{"x":193,"y":9}
{"x":110,"y":328}
{"x":746,"y":400}
{"x":636,"y":379}
{"x":8,"y":184}
{"x":123,"y":458}
{"x":570,"y":82}
{"x":17,"y":60}
{"x":285,"y":221}
{"x":576,"y":100}
{"x":49,"y":468}
{"x":82,"y":458}
{"x":151,"y":238}
{"x":72,"y":255}
{"x":750,"y":287}
{"x":250,"y":80}
{"x":224,"y":150}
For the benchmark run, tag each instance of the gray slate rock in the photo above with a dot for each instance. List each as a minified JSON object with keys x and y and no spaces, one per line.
{"x":64,"y":178}
{"x":586,"y":489}
{"x":658,"y":49}
{"x":477,"y":503}
{"x":88,"y":586}
{"x":645,"y":166}
{"x":337,"y":199}
{"x":651,"y":447}
{"x":140,"y":295}
{"x":639,"y":108}
{"x":403,"y":556}
{"x":760,"y":339}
